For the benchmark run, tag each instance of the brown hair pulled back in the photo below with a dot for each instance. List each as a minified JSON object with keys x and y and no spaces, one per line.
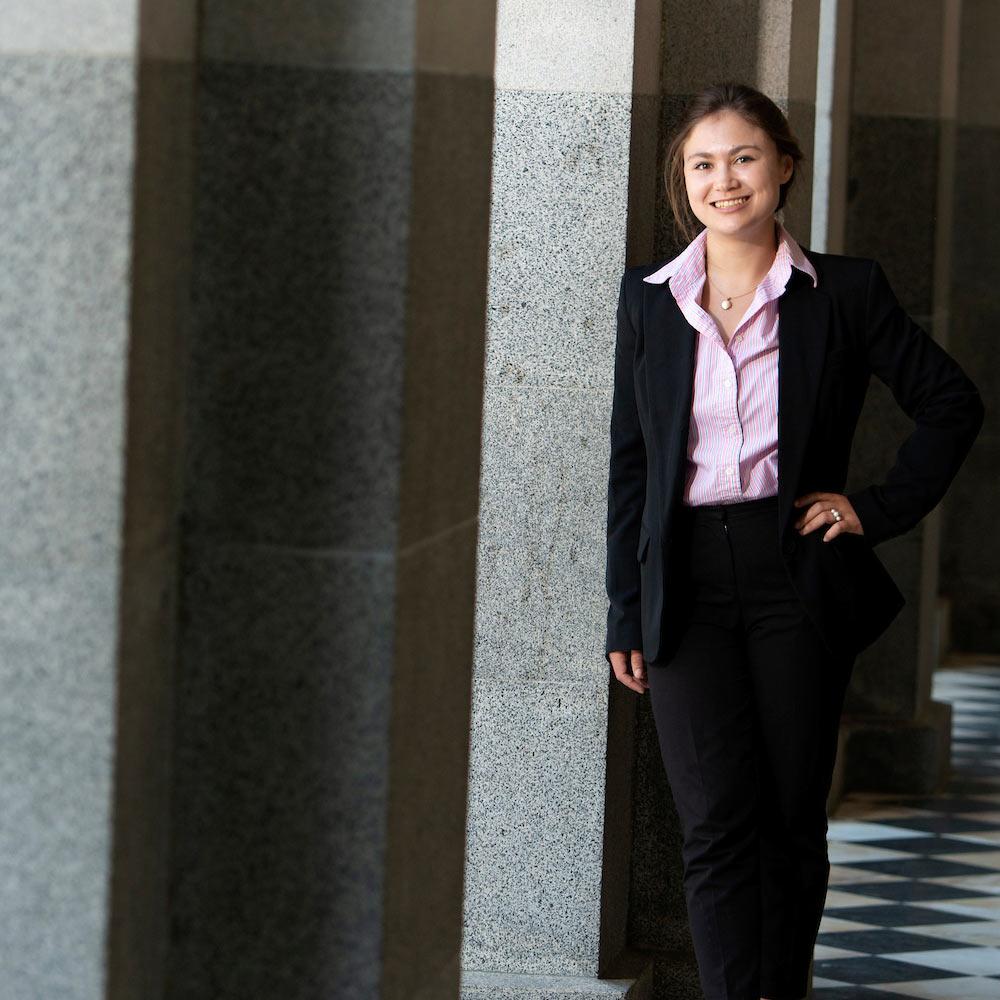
{"x":758,"y":109}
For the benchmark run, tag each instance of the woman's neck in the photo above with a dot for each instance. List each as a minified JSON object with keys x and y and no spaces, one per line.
{"x":732,"y":261}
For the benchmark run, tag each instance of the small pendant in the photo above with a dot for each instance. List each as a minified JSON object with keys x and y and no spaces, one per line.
{"x":727,"y":303}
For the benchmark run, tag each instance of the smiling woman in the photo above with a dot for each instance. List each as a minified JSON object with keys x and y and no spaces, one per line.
{"x":740,"y":577}
{"x":704,"y":165}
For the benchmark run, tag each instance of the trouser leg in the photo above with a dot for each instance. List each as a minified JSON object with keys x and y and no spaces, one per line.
{"x":705,"y":724}
{"x":798,"y":688}
{"x":799,"y":691}
{"x":702,"y":702}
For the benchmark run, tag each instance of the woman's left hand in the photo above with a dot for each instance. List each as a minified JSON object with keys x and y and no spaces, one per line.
{"x":817,"y":515}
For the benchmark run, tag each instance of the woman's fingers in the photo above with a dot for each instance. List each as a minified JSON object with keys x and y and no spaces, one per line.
{"x":638,"y":665}
{"x":824,"y":519}
{"x":630,"y":669}
{"x":817,"y":515}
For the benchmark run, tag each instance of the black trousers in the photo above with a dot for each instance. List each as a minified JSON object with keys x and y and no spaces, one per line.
{"x":747,"y":712}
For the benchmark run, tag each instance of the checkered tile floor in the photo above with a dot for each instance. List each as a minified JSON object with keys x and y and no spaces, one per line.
{"x":913,"y":908}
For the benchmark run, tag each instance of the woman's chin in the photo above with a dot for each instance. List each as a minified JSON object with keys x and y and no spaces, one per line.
{"x":735,"y":222}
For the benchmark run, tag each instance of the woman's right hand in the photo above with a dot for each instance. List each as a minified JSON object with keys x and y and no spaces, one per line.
{"x":630,"y":668}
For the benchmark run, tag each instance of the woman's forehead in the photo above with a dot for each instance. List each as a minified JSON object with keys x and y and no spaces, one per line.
{"x":719,"y":133}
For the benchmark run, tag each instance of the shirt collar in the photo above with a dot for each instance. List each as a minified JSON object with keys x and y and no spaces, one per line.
{"x":690,"y":262}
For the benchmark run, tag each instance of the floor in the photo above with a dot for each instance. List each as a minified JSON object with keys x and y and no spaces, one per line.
{"x":913,"y":908}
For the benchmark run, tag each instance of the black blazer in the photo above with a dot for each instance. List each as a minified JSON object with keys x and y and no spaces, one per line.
{"x":831,"y":338}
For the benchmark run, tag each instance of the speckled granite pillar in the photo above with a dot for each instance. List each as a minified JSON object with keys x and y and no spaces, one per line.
{"x":899,"y":211}
{"x":549,"y":830}
{"x":330,"y":500}
{"x":970,"y":545}
{"x":67,"y":147}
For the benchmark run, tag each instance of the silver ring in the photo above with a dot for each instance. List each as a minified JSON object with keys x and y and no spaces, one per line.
{"x":836,"y":514}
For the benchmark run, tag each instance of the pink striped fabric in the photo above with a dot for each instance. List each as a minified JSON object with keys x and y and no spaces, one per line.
{"x":732,"y":448}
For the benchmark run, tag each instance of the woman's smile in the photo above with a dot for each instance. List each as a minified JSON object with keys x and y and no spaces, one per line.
{"x":730,"y":204}
{"x":732,"y":167}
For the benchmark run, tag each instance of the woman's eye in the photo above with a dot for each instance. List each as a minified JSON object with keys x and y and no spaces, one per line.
{"x":705,"y":163}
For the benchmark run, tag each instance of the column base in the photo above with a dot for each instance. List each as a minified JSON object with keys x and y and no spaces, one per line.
{"x":512,"y":986}
{"x":905,"y":756}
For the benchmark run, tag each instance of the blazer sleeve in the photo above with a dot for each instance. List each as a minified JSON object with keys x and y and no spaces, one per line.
{"x":626,"y":493}
{"x":934,"y":391}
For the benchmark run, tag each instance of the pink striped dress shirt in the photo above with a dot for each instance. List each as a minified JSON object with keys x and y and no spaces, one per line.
{"x":732,"y":447}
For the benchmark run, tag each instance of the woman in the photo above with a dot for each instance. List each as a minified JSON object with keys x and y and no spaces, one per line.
{"x":742,"y":580}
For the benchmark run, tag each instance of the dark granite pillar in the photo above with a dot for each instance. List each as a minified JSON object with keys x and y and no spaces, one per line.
{"x":970,"y":548}
{"x":899,"y":210}
{"x":330,"y":501}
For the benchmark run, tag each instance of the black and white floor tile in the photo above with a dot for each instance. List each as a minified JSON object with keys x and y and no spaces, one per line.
{"x":913,"y":907}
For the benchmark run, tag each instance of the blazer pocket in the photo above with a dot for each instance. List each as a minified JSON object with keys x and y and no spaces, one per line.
{"x":854,"y":552}
{"x":852,"y":544}
{"x":871,"y":597}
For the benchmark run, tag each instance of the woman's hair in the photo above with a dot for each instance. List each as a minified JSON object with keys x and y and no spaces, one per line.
{"x":757,"y":108}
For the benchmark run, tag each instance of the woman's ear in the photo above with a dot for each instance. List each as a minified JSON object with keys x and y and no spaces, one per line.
{"x":789,"y":167}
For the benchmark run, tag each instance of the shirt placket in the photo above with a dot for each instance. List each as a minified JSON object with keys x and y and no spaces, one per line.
{"x":729,"y":409}
{"x":729,"y":418}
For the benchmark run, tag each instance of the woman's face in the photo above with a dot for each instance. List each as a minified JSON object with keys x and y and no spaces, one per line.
{"x":725,"y":157}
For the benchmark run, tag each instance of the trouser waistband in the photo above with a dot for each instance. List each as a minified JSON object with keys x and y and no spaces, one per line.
{"x":728,"y":511}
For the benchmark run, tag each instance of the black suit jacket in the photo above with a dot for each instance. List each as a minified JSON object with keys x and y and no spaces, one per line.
{"x":831,"y":338}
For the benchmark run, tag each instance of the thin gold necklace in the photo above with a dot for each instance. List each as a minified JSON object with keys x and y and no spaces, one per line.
{"x":727,"y":302}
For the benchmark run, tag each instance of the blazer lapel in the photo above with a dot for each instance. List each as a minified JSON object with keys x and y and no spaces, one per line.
{"x":803,"y":326}
{"x":670,"y":352}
